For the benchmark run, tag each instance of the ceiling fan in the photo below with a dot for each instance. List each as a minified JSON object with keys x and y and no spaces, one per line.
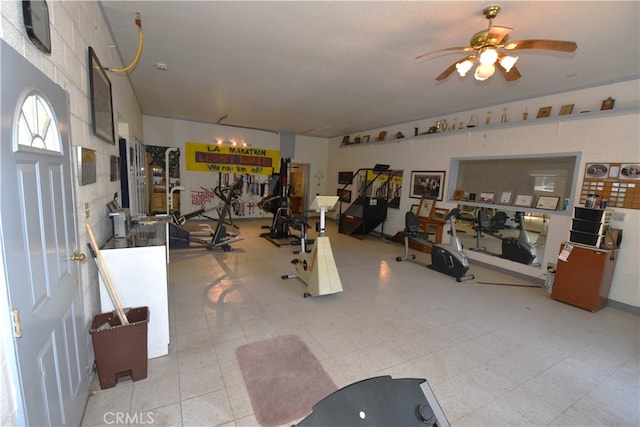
{"x":487,"y":48}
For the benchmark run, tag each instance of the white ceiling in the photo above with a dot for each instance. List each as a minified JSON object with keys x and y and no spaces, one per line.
{"x":335,"y":68}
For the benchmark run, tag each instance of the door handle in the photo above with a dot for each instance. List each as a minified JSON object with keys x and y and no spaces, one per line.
{"x":78,"y":257}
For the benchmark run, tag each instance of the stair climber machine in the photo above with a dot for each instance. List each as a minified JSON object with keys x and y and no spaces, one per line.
{"x":449,"y":258}
{"x":317,"y":267}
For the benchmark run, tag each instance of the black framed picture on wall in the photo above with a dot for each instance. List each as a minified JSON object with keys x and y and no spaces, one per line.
{"x":101,"y":100}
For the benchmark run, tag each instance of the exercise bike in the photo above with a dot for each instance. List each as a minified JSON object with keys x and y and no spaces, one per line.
{"x":449,"y":258}
{"x":317,"y":267}
{"x":412,"y":232}
{"x":519,"y":249}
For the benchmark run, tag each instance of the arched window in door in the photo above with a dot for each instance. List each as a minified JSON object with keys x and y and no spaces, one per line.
{"x":37,"y":127}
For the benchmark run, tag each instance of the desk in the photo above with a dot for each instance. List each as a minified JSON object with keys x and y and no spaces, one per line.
{"x":138,"y":267}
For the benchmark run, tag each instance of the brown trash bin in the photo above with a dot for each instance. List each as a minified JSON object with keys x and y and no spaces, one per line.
{"x":120,"y":350}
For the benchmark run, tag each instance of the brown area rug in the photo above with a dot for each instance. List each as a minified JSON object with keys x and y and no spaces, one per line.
{"x":283,"y":378}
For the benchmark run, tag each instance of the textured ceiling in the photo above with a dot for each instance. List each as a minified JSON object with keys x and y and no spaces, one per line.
{"x":334,"y":68}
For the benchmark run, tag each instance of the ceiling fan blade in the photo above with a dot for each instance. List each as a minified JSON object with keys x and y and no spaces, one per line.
{"x":446,"y":73}
{"x":559,"y":45}
{"x":449,"y":49}
{"x":496,"y":35}
{"x":511,"y":75}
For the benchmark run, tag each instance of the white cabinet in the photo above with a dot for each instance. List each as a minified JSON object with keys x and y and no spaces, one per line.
{"x":139,"y":275}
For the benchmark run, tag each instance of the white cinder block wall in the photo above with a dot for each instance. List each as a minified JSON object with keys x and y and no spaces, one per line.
{"x":75,"y":26}
{"x":608,"y":136}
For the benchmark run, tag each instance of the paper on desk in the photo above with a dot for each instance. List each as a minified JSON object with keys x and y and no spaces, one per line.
{"x":566,"y":251}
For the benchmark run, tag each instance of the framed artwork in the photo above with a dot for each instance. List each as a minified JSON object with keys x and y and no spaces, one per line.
{"x":566,"y":110}
{"x":630,"y":171}
{"x":487,"y":197}
{"x":101,"y":100}
{"x":543,"y":112}
{"x":607,"y":104}
{"x":344,"y":195}
{"x":414,"y":209}
{"x":547,"y":202}
{"x":427,"y":184}
{"x":523,"y":200}
{"x":596,"y":170}
{"x":425,"y":208}
{"x":345,"y":140}
{"x":382,"y":135}
{"x":505,"y":197}
{"x":440,"y":213}
{"x":115,"y":168}
{"x":472,"y":197}
{"x":365,"y":139}
{"x":86,"y":166}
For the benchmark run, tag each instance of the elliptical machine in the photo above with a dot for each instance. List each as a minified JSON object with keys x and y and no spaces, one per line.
{"x":449,"y":258}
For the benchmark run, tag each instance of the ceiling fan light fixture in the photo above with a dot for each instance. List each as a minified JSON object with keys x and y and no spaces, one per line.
{"x":483,"y":72}
{"x":488,"y":56}
{"x":463,"y":67}
{"x":508,"y":62}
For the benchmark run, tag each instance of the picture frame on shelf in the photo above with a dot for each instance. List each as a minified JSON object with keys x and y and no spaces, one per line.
{"x":365,"y":139}
{"x":523,"y":200}
{"x":566,"y":109}
{"x":440,"y":214}
{"x":487,"y":196}
{"x":549,"y":203}
{"x":505,"y":198}
{"x":472,"y":197}
{"x":608,"y":104}
{"x":427,"y":184}
{"x":425,"y":209}
{"x":382,"y":135}
{"x":544,"y":112}
{"x":101,"y":100}
{"x":345,"y":140}
{"x":414,"y":209}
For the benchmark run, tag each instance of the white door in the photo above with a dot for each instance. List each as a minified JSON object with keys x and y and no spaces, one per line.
{"x":38,"y":238}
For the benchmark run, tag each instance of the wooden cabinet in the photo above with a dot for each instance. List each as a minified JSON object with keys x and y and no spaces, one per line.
{"x":583,"y":276}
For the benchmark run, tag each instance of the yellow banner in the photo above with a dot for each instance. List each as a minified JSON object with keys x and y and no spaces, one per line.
{"x":227,"y":159}
{"x":384,"y":177}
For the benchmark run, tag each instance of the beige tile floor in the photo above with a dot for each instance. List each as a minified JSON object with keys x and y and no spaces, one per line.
{"x":493,"y":354}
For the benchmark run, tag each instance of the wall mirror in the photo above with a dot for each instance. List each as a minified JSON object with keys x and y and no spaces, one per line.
{"x":517,"y":235}
{"x":539,"y":184}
